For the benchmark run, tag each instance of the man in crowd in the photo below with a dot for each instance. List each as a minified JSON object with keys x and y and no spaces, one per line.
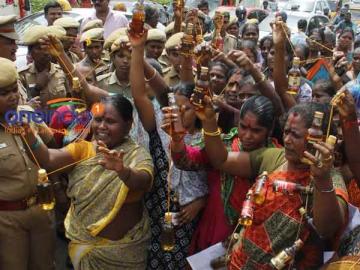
{"x":52,"y":12}
{"x":112,"y":20}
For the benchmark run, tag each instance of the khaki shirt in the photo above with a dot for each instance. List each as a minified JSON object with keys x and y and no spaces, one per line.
{"x":99,"y":69}
{"x":73,"y":57}
{"x":230,"y":43}
{"x":110,"y":83}
{"x":171,"y":77}
{"x":57,"y":86}
{"x":164,"y":60}
{"x":23,"y":93}
{"x":18,"y":174}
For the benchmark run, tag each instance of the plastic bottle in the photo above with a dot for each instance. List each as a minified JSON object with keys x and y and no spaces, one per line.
{"x":45,"y":191}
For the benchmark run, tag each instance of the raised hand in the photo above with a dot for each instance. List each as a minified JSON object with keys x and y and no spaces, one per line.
{"x":52,"y":44}
{"x":207,"y":112}
{"x":278,"y":32}
{"x":240,"y":58}
{"x":345,"y":104}
{"x":112,"y":159}
{"x":137,"y":40}
{"x":203,"y":54}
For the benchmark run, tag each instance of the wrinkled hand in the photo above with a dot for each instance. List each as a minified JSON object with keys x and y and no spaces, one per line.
{"x":207,"y":112}
{"x":278,"y":31}
{"x":167,"y":122}
{"x":203,"y":54}
{"x":321,"y":166}
{"x":346,"y":105}
{"x":112,"y":159}
{"x":190,"y":211}
{"x":137,"y":40}
{"x":34,"y":102}
{"x":52,"y":44}
{"x":240,"y":58}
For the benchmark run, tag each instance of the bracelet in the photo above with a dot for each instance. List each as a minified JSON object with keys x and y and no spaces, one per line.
{"x":325,"y":191}
{"x":152,"y":77}
{"x":212,"y":134}
{"x":35,"y":145}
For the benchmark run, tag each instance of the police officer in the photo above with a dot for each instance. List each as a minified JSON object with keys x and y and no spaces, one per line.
{"x":72,"y":29}
{"x":26,"y":232}
{"x":172,"y":47}
{"x":155,"y":43}
{"x":93,"y":42}
{"x":42,"y":77}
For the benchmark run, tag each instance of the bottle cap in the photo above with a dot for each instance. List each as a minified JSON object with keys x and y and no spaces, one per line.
{"x":298,"y":244}
{"x":204,"y":70}
{"x":264,"y":173}
{"x":76,"y":82}
{"x":302,"y":211}
{"x":168,"y":217}
{"x":42,"y":175}
{"x":331,"y":140}
{"x":319,"y":114}
{"x":296,"y":61}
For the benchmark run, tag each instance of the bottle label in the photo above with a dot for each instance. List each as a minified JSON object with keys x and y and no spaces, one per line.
{"x":175,"y":218}
{"x":247,"y":209}
{"x":294,"y":81}
{"x":260,"y":184}
{"x":284,"y":187}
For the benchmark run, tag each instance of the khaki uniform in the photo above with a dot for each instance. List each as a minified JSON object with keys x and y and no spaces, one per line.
{"x":110,"y":83}
{"x":99,"y":69}
{"x":57,"y":86}
{"x":23,"y":93}
{"x":171,"y":77}
{"x":27,"y":236}
{"x":73,"y":57}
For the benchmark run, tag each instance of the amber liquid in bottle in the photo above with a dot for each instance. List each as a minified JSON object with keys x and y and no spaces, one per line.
{"x":167,"y":237}
{"x":260,"y":191}
{"x":294,"y":77}
{"x":286,"y":255}
{"x":247,"y":211}
{"x":217,"y":41}
{"x":315,"y":134}
{"x":201,"y":88}
{"x":187,"y":45}
{"x":138,"y":19}
{"x":45,"y":191}
{"x":177,"y":126}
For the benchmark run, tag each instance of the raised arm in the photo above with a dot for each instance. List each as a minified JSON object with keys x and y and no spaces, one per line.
{"x":280,"y":78}
{"x":234,"y":163}
{"x":142,"y":102}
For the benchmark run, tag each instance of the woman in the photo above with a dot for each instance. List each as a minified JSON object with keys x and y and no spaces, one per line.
{"x":250,"y":31}
{"x":226,"y":192}
{"x":219,"y":74}
{"x":323,"y":91}
{"x":355,"y":65}
{"x":107,"y":223}
{"x":345,"y":42}
{"x":277,"y":222}
{"x":190,"y":187}
{"x":265,"y":46}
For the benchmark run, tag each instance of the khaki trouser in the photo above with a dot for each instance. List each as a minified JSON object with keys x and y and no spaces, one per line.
{"x":27,"y":239}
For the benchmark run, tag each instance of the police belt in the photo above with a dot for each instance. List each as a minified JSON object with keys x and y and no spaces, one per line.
{"x":18,"y":205}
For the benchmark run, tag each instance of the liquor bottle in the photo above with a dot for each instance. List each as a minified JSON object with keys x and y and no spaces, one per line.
{"x":331,"y":140}
{"x":177,"y":126}
{"x":45,"y":191}
{"x":167,"y":237}
{"x":286,"y":255}
{"x":294,"y":77}
{"x":201,"y":88}
{"x":260,"y":190}
{"x":187,"y":43}
{"x":315,"y":134}
{"x":247,"y":211}
{"x":289,"y":188}
{"x":217,"y":41}
{"x":303,"y":212}
{"x":138,"y":18}
{"x":175,"y":211}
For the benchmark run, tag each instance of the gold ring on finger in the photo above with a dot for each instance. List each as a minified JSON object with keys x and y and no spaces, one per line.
{"x":319,"y":164}
{"x":329,"y":158}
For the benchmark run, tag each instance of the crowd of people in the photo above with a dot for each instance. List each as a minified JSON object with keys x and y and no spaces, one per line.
{"x":166,"y":141}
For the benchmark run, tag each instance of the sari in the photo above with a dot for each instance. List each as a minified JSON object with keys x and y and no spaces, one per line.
{"x":277,"y":223}
{"x":97,"y":196}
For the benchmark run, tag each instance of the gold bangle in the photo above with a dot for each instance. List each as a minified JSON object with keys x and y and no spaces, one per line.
{"x":212,"y":134}
{"x":152,"y":77}
{"x":263,"y":79}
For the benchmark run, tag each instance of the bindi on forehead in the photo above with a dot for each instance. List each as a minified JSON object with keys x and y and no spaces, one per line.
{"x":293,"y":120}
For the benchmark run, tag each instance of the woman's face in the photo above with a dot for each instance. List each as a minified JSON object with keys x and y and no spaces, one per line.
{"x":319,"y":95}
{"x":265,"y":48}
{"x":174,"y":58}
{"x":217,"y":79}
{"x":9,"y":98}
{"x":233,"y":29}
{"x":270,"y":58}
{"x":345,"y":41}
{"x":294,"y":137}
{"x":251,"y":134}
{"x":110,"y":127}
{"x":251,"y":33}
{"x":356,"y":60}
{"x":122,"y":61}
{"x":246,"y":91}
{"x":188,"y":115}
{"x":231,"y":93}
